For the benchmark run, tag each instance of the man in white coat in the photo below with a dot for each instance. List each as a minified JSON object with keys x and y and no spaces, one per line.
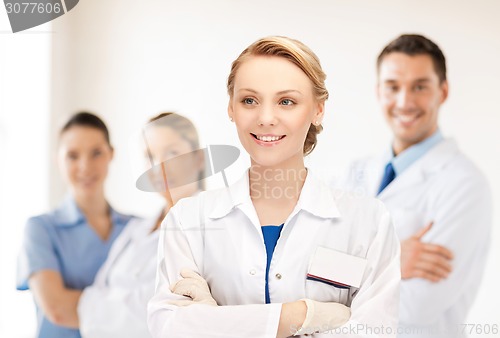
{"x":440,"y":201}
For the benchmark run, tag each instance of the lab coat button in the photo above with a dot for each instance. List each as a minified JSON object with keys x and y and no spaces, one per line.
{"x":278,"y":276}
{"x":252,"y":272}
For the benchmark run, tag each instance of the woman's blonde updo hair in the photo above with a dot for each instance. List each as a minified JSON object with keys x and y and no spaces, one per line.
{"x":301,"y":56}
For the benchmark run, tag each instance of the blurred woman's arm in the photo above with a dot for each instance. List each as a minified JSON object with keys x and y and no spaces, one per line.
{"x":58,"y":303}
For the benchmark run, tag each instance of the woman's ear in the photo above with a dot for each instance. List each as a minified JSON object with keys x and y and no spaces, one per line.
{"x":230,"y":111}
{"x":201,"y":160}
{"x":320,"y":111}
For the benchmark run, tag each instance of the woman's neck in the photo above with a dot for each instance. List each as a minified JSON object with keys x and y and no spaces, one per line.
{"x":284,"y":181}
{"x":176,"y":194}
{"x":97,"y":213}
{"x":93,"y":206}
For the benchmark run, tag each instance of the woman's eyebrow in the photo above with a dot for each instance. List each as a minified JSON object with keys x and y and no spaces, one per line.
{"x":281,"y":92}
{"x":248,"y":90}
{"x":288,"y":91}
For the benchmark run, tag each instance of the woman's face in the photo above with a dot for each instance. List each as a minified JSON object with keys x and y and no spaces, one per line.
{"x":84,"y":157}
{"x":182,"y":173}
{"x":273,"y":107}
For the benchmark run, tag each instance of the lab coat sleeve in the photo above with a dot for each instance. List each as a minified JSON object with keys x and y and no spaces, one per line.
{"x":117,"y":248}
{"x":374,"y":308}
{"x":176,"y":252}
{"x":111,"y":310}
{"x":37,"y":251}
{"x":114,"y":311}
{"x":462,"y":222}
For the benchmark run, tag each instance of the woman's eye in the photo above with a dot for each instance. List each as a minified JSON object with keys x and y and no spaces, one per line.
{"x":96,"y":153}
{"x":72,"y":156}
{"x":419,"y":88}
{"x":248,"y":100}
{"x":392,"y":89}
{"x":168,"y":155}
{"x":287,"y":102}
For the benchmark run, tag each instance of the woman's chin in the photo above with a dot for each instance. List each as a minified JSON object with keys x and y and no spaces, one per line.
{"x":87,"y":191}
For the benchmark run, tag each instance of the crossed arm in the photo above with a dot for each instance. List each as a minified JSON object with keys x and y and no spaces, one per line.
{"x":441,"y":276}
{"x":57,"y":302}
{"x":304,"y":315}
{"x":424,"y":260}
{"x":374,"y":305}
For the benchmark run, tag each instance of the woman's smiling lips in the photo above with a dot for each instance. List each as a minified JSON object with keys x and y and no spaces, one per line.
{"x":268,"y":139}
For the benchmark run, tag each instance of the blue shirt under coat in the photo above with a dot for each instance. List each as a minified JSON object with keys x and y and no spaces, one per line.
{"x":271,"y":235}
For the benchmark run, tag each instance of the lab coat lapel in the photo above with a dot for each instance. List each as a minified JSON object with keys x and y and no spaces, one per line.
{"x":418,"y":172}
{"x":370,"y":172}
{"x":410,"y":177}
{"x":376,"y":172}
{"x":237,"y":196}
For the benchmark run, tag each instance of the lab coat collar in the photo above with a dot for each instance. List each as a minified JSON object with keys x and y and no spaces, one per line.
{"x":69,"y":214}
{"x":410,"y":155}
{"x":235,"y":195}
{"x":433,"y":161}
{"x":439,"y":156}
{"x":315,"y":198}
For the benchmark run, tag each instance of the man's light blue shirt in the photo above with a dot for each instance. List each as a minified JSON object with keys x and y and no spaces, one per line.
{"x":407,"y":157}
{"x":63,"y":241}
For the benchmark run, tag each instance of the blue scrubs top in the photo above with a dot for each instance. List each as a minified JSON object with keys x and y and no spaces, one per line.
{"x":271,"y":235}
{"x":63,"y":241}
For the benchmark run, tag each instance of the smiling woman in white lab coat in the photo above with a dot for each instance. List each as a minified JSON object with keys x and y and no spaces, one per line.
{"x":278,"y":253}
{"x":115,"y":305}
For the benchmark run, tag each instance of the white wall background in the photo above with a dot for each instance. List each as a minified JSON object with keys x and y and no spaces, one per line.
{"x":128,"y":60}
{"x":24,"y":159}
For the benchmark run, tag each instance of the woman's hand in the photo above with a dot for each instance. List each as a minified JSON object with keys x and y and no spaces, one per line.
{"x":323,"y":317}
{"x":307,"y":316}
{"x":192,"y":285}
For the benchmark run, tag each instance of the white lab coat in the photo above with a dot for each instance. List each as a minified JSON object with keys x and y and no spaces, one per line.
{"x":445,"y":187}
{"x":218,"y":234}
{"x":115,"y":304}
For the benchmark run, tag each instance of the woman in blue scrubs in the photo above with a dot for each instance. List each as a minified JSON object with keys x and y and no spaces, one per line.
{"x":62,"y":250}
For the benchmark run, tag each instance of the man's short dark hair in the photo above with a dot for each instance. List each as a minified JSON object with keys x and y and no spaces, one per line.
{"x":413,"y":44}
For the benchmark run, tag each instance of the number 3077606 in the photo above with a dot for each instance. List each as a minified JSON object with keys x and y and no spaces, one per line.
{"x":33,"y":7}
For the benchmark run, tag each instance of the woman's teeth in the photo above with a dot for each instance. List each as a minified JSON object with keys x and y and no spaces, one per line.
{"x":268,"y":138}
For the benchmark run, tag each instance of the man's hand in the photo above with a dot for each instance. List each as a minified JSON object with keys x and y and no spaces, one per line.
{"x":193,"y":286}
{"x":424,"y":260}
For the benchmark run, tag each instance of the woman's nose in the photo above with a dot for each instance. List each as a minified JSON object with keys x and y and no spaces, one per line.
{"x":84,"y":164}
{"x":267,"y":116}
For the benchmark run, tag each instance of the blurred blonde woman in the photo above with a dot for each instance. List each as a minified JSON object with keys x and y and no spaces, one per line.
{"x":115,"y":305}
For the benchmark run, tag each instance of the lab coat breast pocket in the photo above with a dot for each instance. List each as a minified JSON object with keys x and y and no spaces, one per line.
{"x":333,"y":275}
{"x":325,"y":292}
